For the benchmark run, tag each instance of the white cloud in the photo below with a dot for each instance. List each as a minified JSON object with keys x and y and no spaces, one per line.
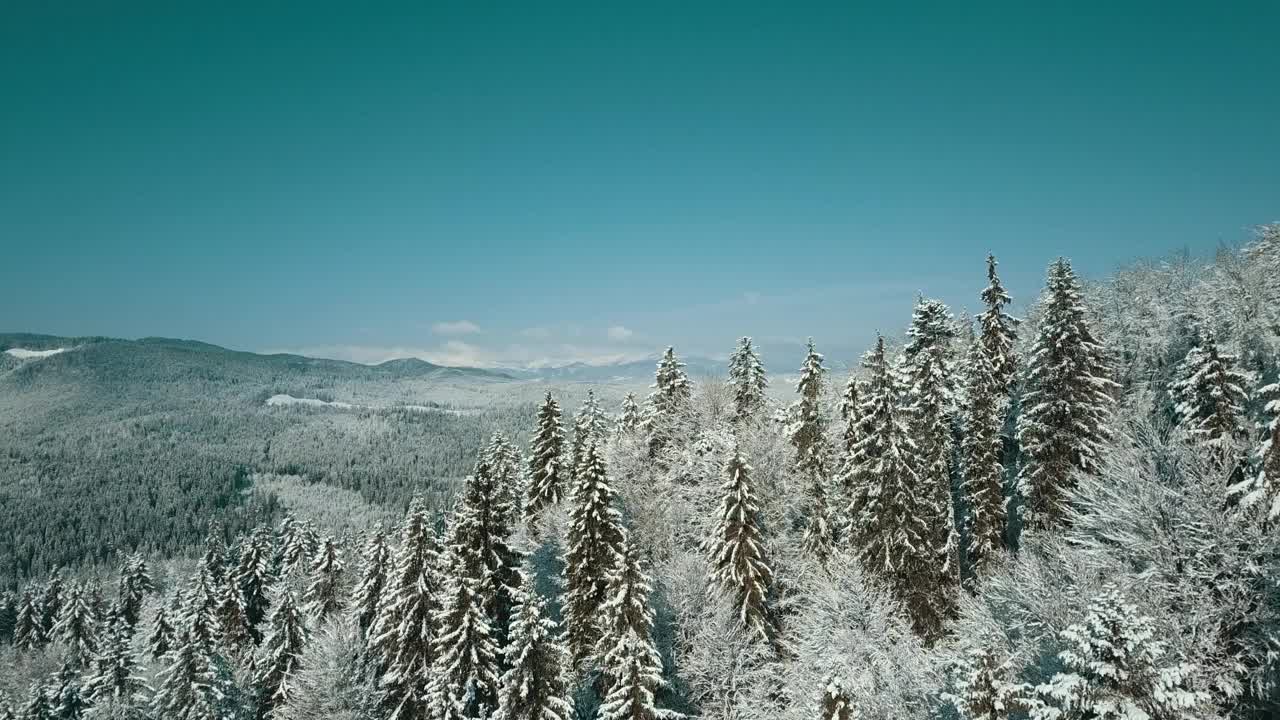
{"x":457,"y":353}
{"x":457,"y":327}
{"x":619,"y":333}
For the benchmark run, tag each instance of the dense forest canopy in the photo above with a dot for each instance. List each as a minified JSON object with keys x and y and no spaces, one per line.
{"x":1071,"y":514}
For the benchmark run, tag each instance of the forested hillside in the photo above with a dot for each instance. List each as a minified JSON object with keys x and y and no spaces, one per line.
{"x":1071,"y":514}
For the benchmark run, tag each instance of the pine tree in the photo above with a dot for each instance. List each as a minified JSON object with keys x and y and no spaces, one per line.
{"x":595,"y":538}
{"x":187,"y":686}
{"x":504,"y":468}
{"x":534,"y":687}
{"x":373,"y":580}
{"x":481,"y":543}
{"x":748,"y":380}
{"x":629,"y":418}
{"x":819,"y":531}
{"x":464,"y":678}
{"x":983,"y":688}
{"x":162,"y":635}
{"x":253,"y":574}
{"x":1066,"y":405}
{"x":282,"y":649}
{"x":668,"y":402}
{"x":836,"y":703}
{"x":1209,"y":395}
{"x":77,"y":627}
{"x":8,"y":615}
{"x":983,"y":484}
{"x":299,"y":541}
{"x":69,"y":702}
{"x":736,"y":551}
{"x":889,"y":533}
{"x":232,"y":619}
{"x":135,"y":583}
{"x":630,"y":661}
{"x":28,"y":631}
{"x":1263,"y":489}
{"x":323,"y":596}
{"x":850,"y":416}
{"x":37,"y":707}
{"x":116,"y":673}
{"x":807,"y":429}
{"x":589,"y":426}
{"x":547,"y":474}
{"x":215,"y":553}
{"x":200,"y":619}
{"x":999,"y":333}
{"x":51,"y":603}
{"x":1112,"y":670}
{"x":403,"y":634}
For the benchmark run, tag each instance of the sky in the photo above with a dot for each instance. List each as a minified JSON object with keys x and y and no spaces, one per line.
{"x":490,"y":183}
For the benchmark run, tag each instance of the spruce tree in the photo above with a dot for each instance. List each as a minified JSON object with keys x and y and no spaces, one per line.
{"x":819,"y":530}
{"x":254,"y":576}
{"x":299,"y":541}
{"x":8,"y":615}
{"x":69,"y":701}
{"x":669,"y":401}
{"x":534,"y":686}
{"x":200,"y":613}
{"x":984,"y":690}
{"x":6,"y":707}
{"x":595,"y":538}
{"x":998,"y":332}
{"x":116,"y":674}
{"x":403,"y":634}
{"x":162,"y":635}
{"x":739,"y":570}
{"x":37,"y":706}
{"x":324,"y":595}
{"x":187,"y":686}
{"x":481,"y":544}
{"x":1263,"y":489}
{"x":836,"y":703}
{"x":28,"y":631}
{"x":1067,"y":403}
{"x":547,"y":473}
{"x":77,"y":627}
{"x":980,"y":447}
{"x":373,"y":580}
{"x":232,"y":619}
{"x":850,"y":416}
{"x":281,"y":653}
{"x":504,"y":468}
{"x":629,"y":417}
{"x":748,"y":381}
{"x":630,"y":662}
{"x":464,"y":678}
{"x":807,"y":428}
{"x":589,"y":426}
{"x":50,"y":604}
{"x":1209,"y":395}
{"x":215,"y":552}
{"x":135,"y":583}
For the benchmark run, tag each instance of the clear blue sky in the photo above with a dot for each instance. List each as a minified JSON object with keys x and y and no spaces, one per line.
{"x":504,"y":182}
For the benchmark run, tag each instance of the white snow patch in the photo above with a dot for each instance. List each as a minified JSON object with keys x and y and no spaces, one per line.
{"x":283,"y":399}
{"x":25,"y":354}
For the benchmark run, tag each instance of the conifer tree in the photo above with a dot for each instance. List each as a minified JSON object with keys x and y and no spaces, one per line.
{"x":748,"y":380}
{"x":464,"y":678}
{"x":595,"y":538}
{"x":373,"y":580}
{"x":983,"y":483}
{"x":282,"y":650}
{"x":1209,"y":395}
{"x":232,"y":619}
{"x":8,"y":615}
{"x":135,"y":583}
{"x":807,"y":430}
{"x":504,"y":468}
{"x":480,"y":544}
{"x":836,"y":703}
{"x":116,"y":674}
{"x":324,"y":595}
{"x":253,"y":574}
{"x":1263,"y":489}
{"x":200,"y":619}
{"x":534,"y":686}
{"x":6,"y":707}
{"x":629,"y":418}
{"x":28,"y":631}
{"x":403,"y":634}
{"x":850,"y":416}
{"x":77,"y":627}
{"x":186,"y":688}
{"x":215,"y":553}
{"x":299,"y":541}
{"x":669,"y":400}
{"x":630,"y":661}
{"x":998,"y":332}
{"x":589,"y":426}
{"x":819,"y":531}
{"x":739,"y":570}
{"x":1067,"y":403}
{"x":547,"y":473}
{"x":51,"y":603}
{"x":162,"y":635}
{"x":69,"y":701}
{"x":38,"y":706}
{"x":984,"y":690}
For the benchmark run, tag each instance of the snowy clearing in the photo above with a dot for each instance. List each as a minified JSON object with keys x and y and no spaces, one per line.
{"x":25,"y":354}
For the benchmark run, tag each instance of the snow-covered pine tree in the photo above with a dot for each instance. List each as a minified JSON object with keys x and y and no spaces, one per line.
{"x":135,"y":583}
{"x":8,"y":615}
{"x":254,"y":576}
{"x":534,"y":686}
{"x":28,"y":632}
{"x":374,"y":575}
{"x":748,"y":381}
{"x":595,"y":538}
{"x":819,"y":530}
{"x":629,"y":417}
{"x":403,"y":634}
{"x":983,"y":689}
{"x":1209,"y":395}
{"x":324,"y":596}
{"x":547,"y":474}
{"x":998,"y":334}
{"x":630,"y":661}
{"x":68,"y":698}
{"x":836,"y":703}
{"x":739,"y":571}
{"x":807,"y":427}
{"x":200,"y":610}
{"x":589,"y":425}
{"x":668,"y":402}
{"x":37,"y":706}
{"x":889,"y":534}
{"x":1066,"y":405}
{"x":930,"y":391}
{"x":281,"y":651}
{"x":465,"y":675}
{"x":232,"y":621}
{"x":850,"y":416}
{"x":504,"y":463}
{"x":215,"y":552}
{"x":162,"y":635}
{"x":116,"y":673}
{"x":1263,"y":489}
{"x":187,"y":687}
{"x":1113,"y":670}
{"x":299,"y":541}
{"x":51,"y":600}
{"x":6,"y":707}
{"x":77,"y":626}
{"x":983,"y":474}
